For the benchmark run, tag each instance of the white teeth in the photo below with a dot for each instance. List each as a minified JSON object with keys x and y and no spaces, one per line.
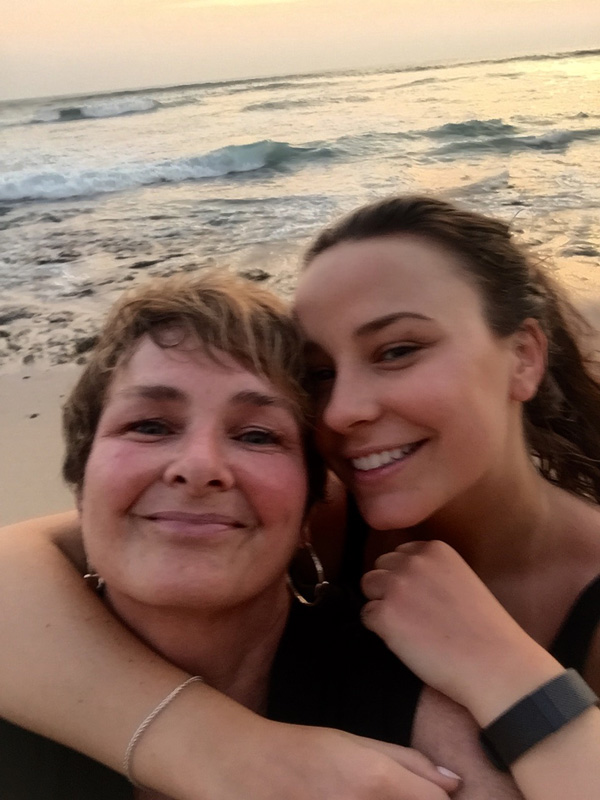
{"x":375,"y":460}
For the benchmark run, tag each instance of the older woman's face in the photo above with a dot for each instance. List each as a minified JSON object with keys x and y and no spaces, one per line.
{"x":195,"y":488}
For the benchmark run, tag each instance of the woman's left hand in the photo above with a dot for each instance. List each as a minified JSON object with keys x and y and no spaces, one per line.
{"x":438,"y":617}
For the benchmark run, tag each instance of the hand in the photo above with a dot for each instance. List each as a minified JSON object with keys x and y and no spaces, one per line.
{"x":206,"y":747}
{"x":322,"y":764}
{"x":436,"y":615}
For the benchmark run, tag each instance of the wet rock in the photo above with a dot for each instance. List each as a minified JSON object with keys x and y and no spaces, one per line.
{"x":12,"y":314}
{"x":144,"y":264}
{"x":257,"y":274}
{"x":4,"y":334}
{"x":29,"y":358}
{"x":33,"y":416}
{"x":86,"y":291}
{"x":84,"y":344}
{"x":583,"y":249}
{"x":61,"y":316}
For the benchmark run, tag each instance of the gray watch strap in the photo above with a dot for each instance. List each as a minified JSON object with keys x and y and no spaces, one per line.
{"x":535,"y":717}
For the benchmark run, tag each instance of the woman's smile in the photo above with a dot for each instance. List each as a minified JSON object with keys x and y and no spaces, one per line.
{"x":185,"y":524}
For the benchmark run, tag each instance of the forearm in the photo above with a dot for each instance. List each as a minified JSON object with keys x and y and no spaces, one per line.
{"x":68,"y":669}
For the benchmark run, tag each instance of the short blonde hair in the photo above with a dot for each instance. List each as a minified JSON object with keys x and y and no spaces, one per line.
{"x":219,"y":311}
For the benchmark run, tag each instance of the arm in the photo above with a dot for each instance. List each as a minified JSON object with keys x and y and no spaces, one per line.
{"x":70,"y":671}
{"x":435,"y":614}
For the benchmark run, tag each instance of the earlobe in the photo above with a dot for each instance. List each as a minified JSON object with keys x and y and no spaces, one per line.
{"x":531,"y":358}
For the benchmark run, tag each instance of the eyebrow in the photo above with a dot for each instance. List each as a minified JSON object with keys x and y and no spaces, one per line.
{"x":378,"y":324}
{"x":153,"y":392}
{"x":262,"y":400}
{"x":161,"y":392}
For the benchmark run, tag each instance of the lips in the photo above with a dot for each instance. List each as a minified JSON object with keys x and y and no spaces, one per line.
{"x":187,"y":523}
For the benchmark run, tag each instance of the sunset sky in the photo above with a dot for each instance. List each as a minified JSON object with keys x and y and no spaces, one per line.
{"x":50,"y":47}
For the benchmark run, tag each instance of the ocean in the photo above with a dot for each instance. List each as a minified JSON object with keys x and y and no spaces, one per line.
{"x":97,"y":192}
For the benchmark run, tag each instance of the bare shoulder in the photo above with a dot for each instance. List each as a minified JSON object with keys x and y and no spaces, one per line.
{"x":60,"y":530}
{"x":446,"y":733}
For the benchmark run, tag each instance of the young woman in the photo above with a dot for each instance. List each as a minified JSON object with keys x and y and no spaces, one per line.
{"x":456,"y":405}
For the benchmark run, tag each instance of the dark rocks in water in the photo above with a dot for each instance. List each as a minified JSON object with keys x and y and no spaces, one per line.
{"x":62,"y":257}
{"x":85,"y":292}
{"x":15,"y":313}
{"x":257,"y":274}
{"x":61,"y":316}
{"x":144,"y":264}
{"x":4,"y":334}
{"x":33,"y":416}
{"x":29,"y":358}
{"x":582,"y":249}
{"x":84,"y":344}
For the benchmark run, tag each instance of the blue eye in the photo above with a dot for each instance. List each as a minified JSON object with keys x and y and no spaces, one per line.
{"x":258,"y":436}
{"x":149,"y":427}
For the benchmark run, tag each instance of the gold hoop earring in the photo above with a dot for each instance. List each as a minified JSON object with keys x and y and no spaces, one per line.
{"x":320,"y":585}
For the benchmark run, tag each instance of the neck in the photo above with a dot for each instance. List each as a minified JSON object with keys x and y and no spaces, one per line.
{"x":232,"y":649}
{"x":499,"y":526}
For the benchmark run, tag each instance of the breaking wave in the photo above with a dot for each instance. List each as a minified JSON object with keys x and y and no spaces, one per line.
{"x":51,"y":185}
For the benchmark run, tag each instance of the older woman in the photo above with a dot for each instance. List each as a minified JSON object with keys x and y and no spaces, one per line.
{"x":187,"y":447}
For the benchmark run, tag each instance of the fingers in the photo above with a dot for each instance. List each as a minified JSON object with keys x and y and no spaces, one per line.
{"x":418,"y":764}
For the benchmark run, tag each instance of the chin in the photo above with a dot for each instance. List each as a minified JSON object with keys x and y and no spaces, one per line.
{"x":386,"y":516}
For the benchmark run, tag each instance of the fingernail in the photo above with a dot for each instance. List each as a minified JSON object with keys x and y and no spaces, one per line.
{"x":447,"y":773}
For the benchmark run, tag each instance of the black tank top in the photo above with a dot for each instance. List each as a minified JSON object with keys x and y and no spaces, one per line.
{"x":573,"y":641}
{"x":574,"y":638}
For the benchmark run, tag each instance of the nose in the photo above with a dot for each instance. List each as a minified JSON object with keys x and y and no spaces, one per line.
{"x":200,"y":464}
{"x":352,"y":401}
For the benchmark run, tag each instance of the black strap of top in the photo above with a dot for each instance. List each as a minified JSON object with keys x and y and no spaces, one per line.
{"x":353,"y":556}
{"x":573,"y":641}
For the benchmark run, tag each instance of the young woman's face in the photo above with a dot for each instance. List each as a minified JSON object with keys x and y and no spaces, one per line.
{"x":195,"y":489}
{"x":417,"y":408}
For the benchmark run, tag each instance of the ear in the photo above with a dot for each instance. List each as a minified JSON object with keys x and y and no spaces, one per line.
{"x":531,"y":357}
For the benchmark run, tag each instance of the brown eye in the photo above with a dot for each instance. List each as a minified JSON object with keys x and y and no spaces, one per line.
{"x":398,"y":352}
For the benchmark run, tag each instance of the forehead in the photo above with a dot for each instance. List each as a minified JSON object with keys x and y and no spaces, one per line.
{"x":371,"y":277}
{"x":188,"y":366}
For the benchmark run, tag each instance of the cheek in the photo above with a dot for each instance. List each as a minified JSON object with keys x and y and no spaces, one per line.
{"x":278,"y":492}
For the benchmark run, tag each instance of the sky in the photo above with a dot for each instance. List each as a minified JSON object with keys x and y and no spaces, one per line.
{"x":56,"y":47}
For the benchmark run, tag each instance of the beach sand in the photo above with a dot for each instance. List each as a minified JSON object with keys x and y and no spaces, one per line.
{"x":30,"y":403}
